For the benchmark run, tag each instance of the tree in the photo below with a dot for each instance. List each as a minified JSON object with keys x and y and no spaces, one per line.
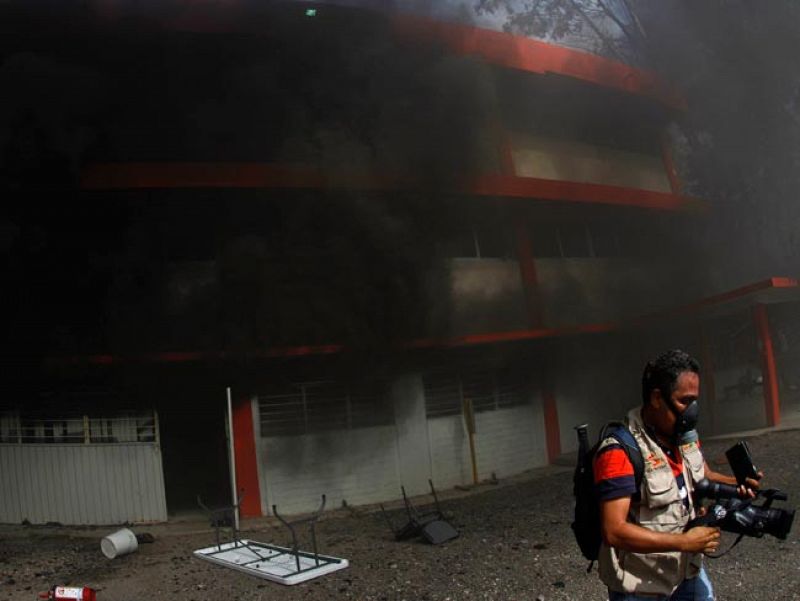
{"x":608,"y":27}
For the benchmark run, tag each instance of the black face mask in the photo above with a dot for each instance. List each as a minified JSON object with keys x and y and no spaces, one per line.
{"x":686,"y":422}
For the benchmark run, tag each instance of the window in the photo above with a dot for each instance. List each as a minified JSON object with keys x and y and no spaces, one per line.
{"x":545,"y":242}
{"x":283,"y":413}
{"x":126,"y":428}
{"x":462,"y":243}
{"x":479,"y":242}
{"x":10,"y":427}
{"x":479,"y":388}
{"x":575,"y":240}
{"x":605,"y":241}
{"x":131,"y":427}
{"x":488,"y":390}
{"x":494,"y":242}
{"x":370,"y":405}
{"x":311,"y":407}
{"x":442,"y":394}
{"x":595,"y":239}
{"x":326,"y":406}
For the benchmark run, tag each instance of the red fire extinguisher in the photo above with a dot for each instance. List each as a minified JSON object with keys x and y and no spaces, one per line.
{"x":69,"y":593}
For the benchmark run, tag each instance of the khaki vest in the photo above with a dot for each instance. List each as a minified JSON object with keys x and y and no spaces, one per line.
{"x":660,"y":509}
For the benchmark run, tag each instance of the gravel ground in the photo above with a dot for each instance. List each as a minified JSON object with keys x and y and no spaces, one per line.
{"x":515,"y":544}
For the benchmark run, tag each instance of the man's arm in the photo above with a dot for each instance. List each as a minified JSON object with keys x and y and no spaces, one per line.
{"x":746,"y":490}
{"x":618,"y":532}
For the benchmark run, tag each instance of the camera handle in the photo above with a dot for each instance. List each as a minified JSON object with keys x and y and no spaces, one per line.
{"x":772,"y":494}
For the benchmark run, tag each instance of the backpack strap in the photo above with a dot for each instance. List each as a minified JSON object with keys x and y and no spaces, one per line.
{"x":628,"y":442}
{"x":620,"y":432}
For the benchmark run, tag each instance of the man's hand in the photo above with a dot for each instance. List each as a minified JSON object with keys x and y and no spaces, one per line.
{"x":618,"y":532}
{"x":746,"y":490}
{"x":750,"y":486}
{"x":701,"y":539}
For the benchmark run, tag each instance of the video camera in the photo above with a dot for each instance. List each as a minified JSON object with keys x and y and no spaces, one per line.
{"x":741,"y":516}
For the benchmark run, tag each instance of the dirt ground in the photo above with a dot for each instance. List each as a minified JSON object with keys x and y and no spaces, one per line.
{"x":515,"y":544}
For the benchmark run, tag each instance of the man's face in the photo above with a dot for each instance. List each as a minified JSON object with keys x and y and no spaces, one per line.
{"x":687,"y":389}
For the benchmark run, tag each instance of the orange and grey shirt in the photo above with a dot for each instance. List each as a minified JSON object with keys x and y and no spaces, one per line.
{"x":614,"y":475}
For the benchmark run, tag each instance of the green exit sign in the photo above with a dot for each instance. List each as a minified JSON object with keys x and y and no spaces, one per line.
{"x":311,"y":12}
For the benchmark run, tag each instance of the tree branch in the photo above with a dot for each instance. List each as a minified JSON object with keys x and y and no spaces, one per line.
{"x":597,"y":31}
{"x":635,"y":18}
{"x":616,"y":20}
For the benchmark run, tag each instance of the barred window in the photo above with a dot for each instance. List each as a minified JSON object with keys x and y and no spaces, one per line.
{"x":283,"y":412}
{"x":480,"y":389}
{"x":326,"y":406}
{"x":124,"y":428}
{"x":78,"y":429}
{"x":310,"y":407}
{"x":511,"y":389}
{"x":488,"y":390}
{"x":10,"y":427}
{"x":370,"y":405}
{"x":442,"y":394}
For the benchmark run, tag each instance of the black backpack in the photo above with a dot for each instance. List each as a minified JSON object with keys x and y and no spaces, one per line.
{"x":587,"y":509}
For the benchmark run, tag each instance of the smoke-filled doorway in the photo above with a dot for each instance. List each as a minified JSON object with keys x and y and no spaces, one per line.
{"x":195,"y":451}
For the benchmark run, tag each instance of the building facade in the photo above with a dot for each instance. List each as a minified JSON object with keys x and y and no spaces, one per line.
{"x":413,"y":249}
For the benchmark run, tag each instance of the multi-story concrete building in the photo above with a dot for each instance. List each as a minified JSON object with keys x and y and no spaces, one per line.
{"x":378,"y":230}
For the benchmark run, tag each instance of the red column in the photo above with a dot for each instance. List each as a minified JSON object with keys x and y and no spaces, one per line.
{"x":527,"y":270}
{"x":769,"y":371}
{"x":530,"y":285}
{"x":244,"y":448}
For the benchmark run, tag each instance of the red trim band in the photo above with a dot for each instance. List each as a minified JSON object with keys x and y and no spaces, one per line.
{"x":534,"y":56}
{"x":422,"y":343}
{"x":130,"y":176}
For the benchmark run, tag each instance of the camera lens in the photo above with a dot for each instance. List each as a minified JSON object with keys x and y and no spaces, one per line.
{"x":779,"y":522}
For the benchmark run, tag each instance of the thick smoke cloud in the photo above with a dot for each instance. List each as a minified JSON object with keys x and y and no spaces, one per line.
{"x":336,"y":92}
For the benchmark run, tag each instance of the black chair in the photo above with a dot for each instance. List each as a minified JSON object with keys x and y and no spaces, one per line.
{"x":430,"y":525}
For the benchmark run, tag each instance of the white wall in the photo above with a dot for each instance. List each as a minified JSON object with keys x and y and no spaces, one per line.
{"x":369,"y":465}
{"x":359,"y":466}
{"x":413,"y":454}
{"x":567,"y":160}
{"x":449,"y":449}
{"x":509,"y":441}
{"x":82,"y":484}
{"x":486,"y":295}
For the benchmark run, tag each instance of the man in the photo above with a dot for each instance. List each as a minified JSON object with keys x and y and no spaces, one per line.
{"x":647,"y":553}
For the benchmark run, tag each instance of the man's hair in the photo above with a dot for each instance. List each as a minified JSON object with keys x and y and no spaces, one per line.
{"x":663,"y":372}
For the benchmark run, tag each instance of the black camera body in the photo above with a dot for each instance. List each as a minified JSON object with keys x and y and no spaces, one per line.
{"x":742,"y":516}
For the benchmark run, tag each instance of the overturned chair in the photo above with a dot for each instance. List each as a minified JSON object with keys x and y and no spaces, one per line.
{"x":430,"y":525}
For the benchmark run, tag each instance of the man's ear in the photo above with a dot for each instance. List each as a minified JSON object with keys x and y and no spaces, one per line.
{"x":655,"y":398}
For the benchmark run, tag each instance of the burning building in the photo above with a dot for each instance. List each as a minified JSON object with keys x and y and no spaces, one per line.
{"x":414,"y":248}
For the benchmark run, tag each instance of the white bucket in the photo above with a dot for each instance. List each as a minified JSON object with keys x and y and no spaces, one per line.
{"x":119,"y":543}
